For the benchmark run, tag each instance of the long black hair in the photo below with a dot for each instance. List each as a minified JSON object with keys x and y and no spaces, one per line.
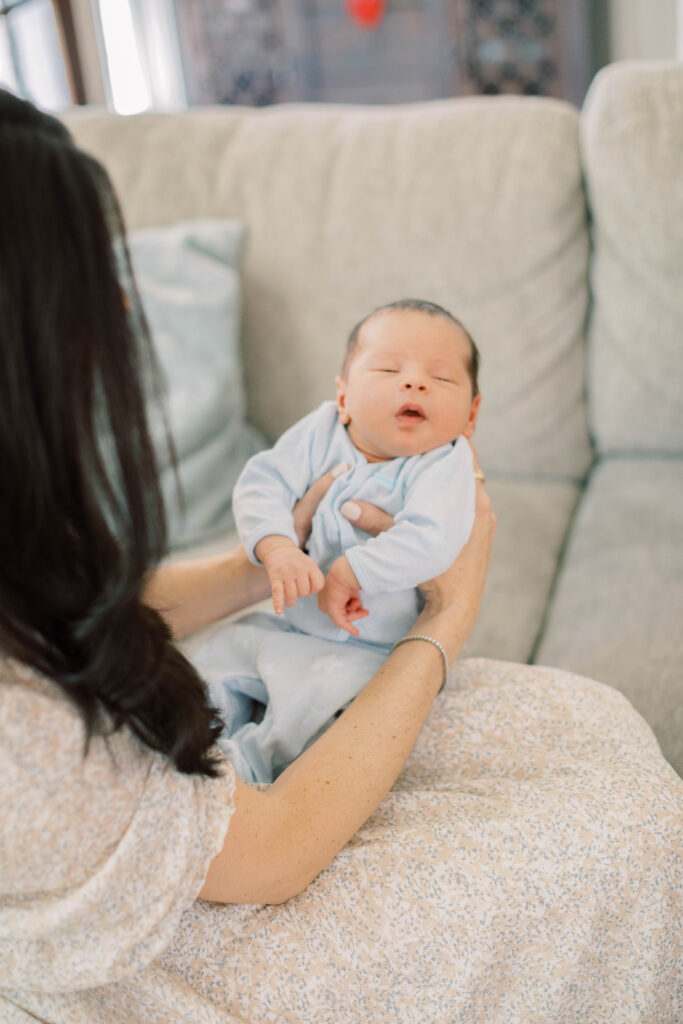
{"x":81,"y":514}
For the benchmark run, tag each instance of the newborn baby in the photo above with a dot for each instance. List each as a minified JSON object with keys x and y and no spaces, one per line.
{"x":407,"y":399}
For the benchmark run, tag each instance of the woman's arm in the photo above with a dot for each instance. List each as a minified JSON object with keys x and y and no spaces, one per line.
{"x":280,"y":839}
{"x":195,"y":593}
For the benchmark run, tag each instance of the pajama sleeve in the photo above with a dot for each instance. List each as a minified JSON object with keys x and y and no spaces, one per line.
{"x":429,"y":531}
{"x":273,"y":481}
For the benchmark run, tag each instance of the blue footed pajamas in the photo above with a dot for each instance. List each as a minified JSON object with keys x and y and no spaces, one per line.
{"x":301,"y":666}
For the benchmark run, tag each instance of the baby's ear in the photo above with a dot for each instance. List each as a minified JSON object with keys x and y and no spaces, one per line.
{"x":472,"y":422}
{"x":342,"y":413}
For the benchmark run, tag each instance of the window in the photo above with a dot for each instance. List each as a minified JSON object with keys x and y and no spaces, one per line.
{"x":32,"y":53}
{"x":141,"y":55}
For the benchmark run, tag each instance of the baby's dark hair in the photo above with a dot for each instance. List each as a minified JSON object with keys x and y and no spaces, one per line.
{"x":420,"y":306}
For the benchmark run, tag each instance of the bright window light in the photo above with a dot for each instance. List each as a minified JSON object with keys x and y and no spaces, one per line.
{"x":31,"y":58}
{"x":129,"y":88}
{"x":8,"y":78}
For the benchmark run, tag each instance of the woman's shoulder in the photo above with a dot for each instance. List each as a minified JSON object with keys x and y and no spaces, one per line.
{"x":34,"y":708}
{"x":55,"y":779}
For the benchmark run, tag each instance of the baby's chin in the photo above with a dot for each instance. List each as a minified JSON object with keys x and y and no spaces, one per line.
{"x":399,"y":448}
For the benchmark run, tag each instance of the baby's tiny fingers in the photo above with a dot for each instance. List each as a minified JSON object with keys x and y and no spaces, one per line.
{"x":317,"y":581}
{"x":303,"y":585}
{"x":291,"y":593}
{"x":278,"y":590}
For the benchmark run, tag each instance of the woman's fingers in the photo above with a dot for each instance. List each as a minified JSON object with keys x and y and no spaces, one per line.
{"x":474,"y":453}
{"x":367,"y":517}
{"x":470,"y":567}
{"x":305,"y":508}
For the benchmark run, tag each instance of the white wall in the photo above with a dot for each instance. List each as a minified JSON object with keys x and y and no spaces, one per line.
{"x":648,"y":29}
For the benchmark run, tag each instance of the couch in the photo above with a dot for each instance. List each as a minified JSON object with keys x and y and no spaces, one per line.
{"x":557,"y":237}
{"x":527,"y":862}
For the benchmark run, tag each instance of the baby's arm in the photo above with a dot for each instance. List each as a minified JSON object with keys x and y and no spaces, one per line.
{"x":339,"y":597}
{"x":264,"y":497}
{"x":428,"y":532}
{"x":273,"y":480}
{"x":291,"y":572}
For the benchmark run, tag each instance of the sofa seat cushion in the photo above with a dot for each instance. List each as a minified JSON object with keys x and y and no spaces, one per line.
{"x":533,"y":519}
{"x":617,"y":614}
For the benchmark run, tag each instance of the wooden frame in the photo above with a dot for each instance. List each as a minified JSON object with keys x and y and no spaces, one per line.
{"x":69,"y":42}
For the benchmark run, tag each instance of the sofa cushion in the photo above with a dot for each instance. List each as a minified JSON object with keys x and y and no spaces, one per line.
{"x":188,"y":277}
{"x":533,"y":519}
{"x":474,"y":203}
{"x":632,"y":139}
{"x":617,"y":615}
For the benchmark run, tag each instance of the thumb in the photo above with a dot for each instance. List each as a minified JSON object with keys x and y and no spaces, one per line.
{"x":305,"y":508}
{"x":367,"y":517}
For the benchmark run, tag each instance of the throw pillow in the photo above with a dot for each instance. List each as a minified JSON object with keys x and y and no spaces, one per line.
{"x":188,"y":278}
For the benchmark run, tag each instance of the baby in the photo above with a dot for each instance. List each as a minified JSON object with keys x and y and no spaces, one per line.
{"x":407,"y":399}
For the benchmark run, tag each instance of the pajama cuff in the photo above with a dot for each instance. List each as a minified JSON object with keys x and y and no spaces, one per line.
{"x":283,"y":529}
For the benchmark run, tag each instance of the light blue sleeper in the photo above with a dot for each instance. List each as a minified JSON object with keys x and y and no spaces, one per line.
{"x":301,"y":666}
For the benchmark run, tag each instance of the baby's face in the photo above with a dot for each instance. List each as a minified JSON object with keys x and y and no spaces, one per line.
{"x":407,"y":388}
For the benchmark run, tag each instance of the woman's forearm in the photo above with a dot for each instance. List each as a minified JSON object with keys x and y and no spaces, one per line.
{"x":195,"y":593}
{"x":280,"y":839}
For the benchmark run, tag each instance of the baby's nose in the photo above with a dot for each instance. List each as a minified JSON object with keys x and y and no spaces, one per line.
{"x":414,"y":382}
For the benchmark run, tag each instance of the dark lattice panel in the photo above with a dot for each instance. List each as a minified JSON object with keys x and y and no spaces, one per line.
{"x":257,"y":52}
{"x":233,"y":51}
{"x":510,"y":46}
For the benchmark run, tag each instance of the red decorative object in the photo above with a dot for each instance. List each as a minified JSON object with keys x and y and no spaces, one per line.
{"x":367,"y":13}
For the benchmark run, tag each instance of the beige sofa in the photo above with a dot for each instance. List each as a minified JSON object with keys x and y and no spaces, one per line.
{"x":526,"y":865}
{"x":557,"y":237}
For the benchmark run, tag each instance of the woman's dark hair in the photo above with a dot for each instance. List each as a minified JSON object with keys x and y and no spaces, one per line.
{"x":420,"y":306}
{"x":81,"y":514}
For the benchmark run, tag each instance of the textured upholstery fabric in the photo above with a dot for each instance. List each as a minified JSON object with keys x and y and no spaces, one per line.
{"x":617,"y":615}
{"x":476,"y":204}
{"x":188,"y":276}
{"x":532,"y":522}
{"x":632,"y":141}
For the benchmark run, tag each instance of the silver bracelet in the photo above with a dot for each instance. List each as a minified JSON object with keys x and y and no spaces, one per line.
{"x":431,"y":640}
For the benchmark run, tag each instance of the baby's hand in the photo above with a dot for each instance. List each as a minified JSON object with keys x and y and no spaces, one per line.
{"x":340,"y":599}
{"x":292,"y":574}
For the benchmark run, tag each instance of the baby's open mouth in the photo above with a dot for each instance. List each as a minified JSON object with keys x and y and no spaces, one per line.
{"x":410,"y":412}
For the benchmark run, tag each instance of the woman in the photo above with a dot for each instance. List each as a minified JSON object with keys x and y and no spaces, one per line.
{"x":121,"y":810}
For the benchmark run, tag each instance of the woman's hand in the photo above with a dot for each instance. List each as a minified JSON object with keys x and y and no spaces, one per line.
{"x":281,"y":838}
{"x":196,"y":592}
{"x":366,"y":517}
{"x":455,"y":596}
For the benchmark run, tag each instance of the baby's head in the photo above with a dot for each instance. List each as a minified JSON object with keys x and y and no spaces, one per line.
{"x":409,"y":381}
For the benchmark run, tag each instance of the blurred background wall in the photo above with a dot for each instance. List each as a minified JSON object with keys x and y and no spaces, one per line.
{"x":165,"y":54}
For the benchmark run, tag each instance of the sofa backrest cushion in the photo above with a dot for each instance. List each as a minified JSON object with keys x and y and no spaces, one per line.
{"x":476,"y":204}
{"x":632,"y":143}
